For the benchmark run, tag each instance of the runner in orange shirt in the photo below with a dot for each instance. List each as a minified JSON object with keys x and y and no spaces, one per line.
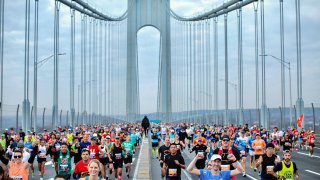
{"x":259,"y":146}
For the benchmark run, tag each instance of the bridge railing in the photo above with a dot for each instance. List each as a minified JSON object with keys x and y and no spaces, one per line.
{"x":12,"y":117}
{"x":251,"y":116}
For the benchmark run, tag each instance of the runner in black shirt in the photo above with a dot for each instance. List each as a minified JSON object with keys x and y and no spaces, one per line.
{"x":268,"y":162}
{"x":173,"y":163}
{"x":163,"y":151}
{"x":202,"y":149}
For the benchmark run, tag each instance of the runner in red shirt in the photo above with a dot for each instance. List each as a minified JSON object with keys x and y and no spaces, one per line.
{"x":94,"y":149}
{"x":81,"y":168}
{"x":311,"y":141}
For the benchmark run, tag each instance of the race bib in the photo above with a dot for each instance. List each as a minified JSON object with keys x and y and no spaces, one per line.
{"x":92,"y":155}
{"x":84,"y":174}
{"x":178,"y":147}
{"x":57,"y":147}
{"x":42,"y":155}
{"x":312,"y":141}
{"x":64,"y":167}
{"x":16,"y":177}
{"x":173,"y":172}
{"x":118,"y":156}
{"x":225,"y":167}
{"x":269,"y":169}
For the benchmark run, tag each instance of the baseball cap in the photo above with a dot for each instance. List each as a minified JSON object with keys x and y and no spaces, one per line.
{"x":270,"y":145}
{"x":108,"y":137}
{"x":225,"y":137}
{"x":215,"y":156}
{"x":20,"y":145}
{"x":257,"y":134}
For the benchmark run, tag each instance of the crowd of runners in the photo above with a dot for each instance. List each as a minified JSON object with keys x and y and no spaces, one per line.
{"x":105,"y":151}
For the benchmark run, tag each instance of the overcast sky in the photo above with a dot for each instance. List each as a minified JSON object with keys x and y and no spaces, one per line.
{"x":148,"y":40}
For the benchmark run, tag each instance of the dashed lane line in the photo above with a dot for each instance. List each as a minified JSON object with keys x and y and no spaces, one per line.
{"x":313,"y":172}
{"x":308,"y":154}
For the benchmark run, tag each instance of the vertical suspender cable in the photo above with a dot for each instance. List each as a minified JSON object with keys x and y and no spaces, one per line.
{"x":101,"y":94}
{"x":56,"y":63}
{"x":283,"y":87}
{"x":226,"y":118}
{"x":90,"y":72}
{"x":216,"y":68}
{"x":81,"y":65}
{"x":194,"y":69}
{"x":1,"y":57}
{"x":109,"y":70}
{"x":35,"y":81}
{"x":105,"y":70}
{"x":72,"y":63}
{"x":263,"y":63}
{"x":208,"y":75}
{"x":255,"y":6}
{"x":190,"y":74}
{"x":84,"y":110}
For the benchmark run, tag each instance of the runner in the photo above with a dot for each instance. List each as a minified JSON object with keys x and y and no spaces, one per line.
{"x":17,"y":168}
{"x":258,"y":146}
{"x":241,"y":145}
{"x":42,"y":157}
{"x":129,"y":147}
{"x":81,"y":168}
{"x":94,"y":169}
{"x":62,"y":159}
{"x":104,"y":158}
{"x":173,"y":163}
{"x":117,"y":157}
{"x":214,"y":166}
{"x":94,"y":149}
{"x":286,"y":168}
{"x":311,"y":141}
{"x":201,"y":149}
{"x":163,"y":151}
{"x":155,"y":139}
{"x":268,"y":162}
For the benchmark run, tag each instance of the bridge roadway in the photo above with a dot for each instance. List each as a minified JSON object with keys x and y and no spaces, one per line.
{"x":309,"y":168}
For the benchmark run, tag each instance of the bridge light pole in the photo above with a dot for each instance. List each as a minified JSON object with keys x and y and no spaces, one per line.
{"x":286,"y":64}
{"x":37,"y":65}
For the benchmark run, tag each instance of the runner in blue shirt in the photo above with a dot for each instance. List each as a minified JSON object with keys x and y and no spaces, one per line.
{"x":214,"y":165}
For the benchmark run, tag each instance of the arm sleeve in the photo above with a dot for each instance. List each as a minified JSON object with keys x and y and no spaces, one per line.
{"x":295,"y":169}
{"x":4,"y":160}
{"x":278,"y":167}
{"x":33,"y":155}
{"x":182,"y":160}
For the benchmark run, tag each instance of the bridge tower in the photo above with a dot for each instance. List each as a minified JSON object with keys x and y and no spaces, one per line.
{"x":143,"y":13}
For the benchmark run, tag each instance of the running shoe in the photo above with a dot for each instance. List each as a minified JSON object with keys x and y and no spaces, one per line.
{"x":244,"y":174}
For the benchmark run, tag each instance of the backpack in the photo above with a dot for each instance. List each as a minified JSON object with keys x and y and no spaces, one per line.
{"x":221,"y":151}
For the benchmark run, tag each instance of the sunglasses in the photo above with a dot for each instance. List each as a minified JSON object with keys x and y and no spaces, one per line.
{"x":117,"y":138}
{"x":225,"y":140}
{"x":17,"y":157}
{"x":209,"y":165}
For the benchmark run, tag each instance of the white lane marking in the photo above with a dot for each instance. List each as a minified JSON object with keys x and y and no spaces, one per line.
{"x":187,"y":174}
{"x":138,"y":162}
{"x":51,"y":179}
{"x":251,"y":177}
{"x":308,"y":154}
{"x":316,"y":147}
{"x":313,"y":172}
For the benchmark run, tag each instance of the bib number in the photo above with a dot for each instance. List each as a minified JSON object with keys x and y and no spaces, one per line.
{"x":118,"y":156}
{"x":173,"y":172}
{"x":16,"y":177}
{"x":269,"y":169}
{"x":225,"y":167}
